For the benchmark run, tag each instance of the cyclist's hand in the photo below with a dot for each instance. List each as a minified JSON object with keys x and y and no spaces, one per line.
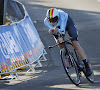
{"x":51,"y":31}
{"x":55,"y":30}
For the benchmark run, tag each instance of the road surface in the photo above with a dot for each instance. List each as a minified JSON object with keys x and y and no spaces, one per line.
{"x":86,"y":15}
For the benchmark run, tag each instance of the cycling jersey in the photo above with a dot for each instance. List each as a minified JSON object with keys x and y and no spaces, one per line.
{"x":62,"y":21}
{"x":65,"y":23}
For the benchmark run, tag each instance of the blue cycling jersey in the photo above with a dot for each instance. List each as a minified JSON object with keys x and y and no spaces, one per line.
{"x":62,"y":21}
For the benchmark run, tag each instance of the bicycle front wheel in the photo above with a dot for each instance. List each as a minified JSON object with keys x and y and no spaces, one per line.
{"x":70,"y":67}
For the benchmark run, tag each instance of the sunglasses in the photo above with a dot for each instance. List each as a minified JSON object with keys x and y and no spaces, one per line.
{"x":53,"y":20}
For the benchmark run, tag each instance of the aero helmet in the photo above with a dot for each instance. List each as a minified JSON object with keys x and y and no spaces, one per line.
{"x":52,"y":14}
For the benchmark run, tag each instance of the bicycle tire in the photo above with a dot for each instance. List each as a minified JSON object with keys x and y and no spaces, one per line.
{"x":74,"y":80}
{"x":91,"y":77}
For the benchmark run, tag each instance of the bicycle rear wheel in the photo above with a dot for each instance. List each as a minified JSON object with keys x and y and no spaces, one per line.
{"x":70,"y":67}
{"x":91,"y":77}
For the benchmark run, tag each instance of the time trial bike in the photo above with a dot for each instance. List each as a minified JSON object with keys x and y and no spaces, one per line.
{"x":72,"y":64}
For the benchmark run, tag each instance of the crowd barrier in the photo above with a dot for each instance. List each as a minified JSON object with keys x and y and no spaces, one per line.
{"x":20,"y":44}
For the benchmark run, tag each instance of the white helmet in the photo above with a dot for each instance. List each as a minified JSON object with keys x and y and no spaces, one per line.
{"x":52,"y":13}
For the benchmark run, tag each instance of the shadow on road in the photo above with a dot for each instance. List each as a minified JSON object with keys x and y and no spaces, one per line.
{"x":52,"y":76}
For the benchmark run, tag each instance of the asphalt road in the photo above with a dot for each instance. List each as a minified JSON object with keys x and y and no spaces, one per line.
{"x":86,"y":15}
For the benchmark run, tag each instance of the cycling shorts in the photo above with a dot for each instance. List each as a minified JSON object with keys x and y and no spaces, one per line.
{"x":71,"y":29}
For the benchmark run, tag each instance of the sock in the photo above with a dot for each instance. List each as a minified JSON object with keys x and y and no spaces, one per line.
{"x":85,"y":61}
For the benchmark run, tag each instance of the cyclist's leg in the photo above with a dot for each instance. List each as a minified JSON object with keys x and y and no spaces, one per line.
{"x":82,"y":55}
{"x":72,"y":31}
{"x":79,"y":49}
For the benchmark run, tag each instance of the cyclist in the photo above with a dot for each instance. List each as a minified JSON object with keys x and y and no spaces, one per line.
{"x":59,"y":21}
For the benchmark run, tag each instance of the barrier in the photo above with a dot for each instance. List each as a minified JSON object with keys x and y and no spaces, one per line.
{"x":20,"y":44}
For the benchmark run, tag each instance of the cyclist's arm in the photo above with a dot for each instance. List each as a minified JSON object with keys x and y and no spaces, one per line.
{"x":64,"y":18}
{"x":47,"y":23}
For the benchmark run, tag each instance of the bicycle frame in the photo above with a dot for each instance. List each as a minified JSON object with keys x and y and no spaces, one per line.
{"x":70,"y":56}
{"x":65,"y":44}
{"x":77,"y":60}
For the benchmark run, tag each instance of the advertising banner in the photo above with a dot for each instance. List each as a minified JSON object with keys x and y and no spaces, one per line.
{"x":19,"y":41}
